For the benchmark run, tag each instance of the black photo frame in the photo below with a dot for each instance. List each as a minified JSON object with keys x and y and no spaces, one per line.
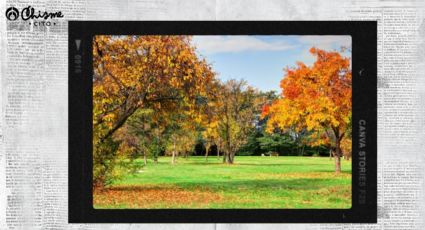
{"x":364,"y":119}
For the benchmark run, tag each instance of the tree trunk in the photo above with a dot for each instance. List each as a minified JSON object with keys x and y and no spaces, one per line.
{"x":229,"y":158}
{"x":145,"y":158}
{"x":206,"y":152}
{"x":337,"y":163}
{"x":173,"y":159}
{"x":227,"y":137}
{"x":337,"y":157}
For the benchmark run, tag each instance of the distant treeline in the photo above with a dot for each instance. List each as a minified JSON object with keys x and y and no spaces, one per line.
{"x":262,"y":143}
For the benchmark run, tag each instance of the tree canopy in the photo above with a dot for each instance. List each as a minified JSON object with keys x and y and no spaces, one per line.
{"x":156,"y":95}
{"x":316,"y":98}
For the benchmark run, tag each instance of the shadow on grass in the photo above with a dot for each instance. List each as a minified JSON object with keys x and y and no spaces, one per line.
{"x":282,"y":164}
{"x":141,"y":188}
{"x":220,"y":163}
{"x":234,"y":185}
{"x":333,"y":170}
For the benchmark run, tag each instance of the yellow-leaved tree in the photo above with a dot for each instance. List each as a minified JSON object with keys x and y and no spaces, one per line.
{"x":140,"y":72}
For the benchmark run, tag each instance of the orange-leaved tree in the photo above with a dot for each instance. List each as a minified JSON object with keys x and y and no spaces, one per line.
{"x":316,"y":98}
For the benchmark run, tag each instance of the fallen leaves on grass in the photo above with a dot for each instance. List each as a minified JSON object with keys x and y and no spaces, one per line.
{"x":151,"y":196}
{"x":339,"y":191}
{"x":309,"y":175}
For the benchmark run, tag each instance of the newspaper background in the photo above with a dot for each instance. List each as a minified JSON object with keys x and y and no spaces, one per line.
{"x":34,"y":98}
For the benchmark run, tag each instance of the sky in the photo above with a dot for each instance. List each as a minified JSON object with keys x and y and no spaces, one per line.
{"x":260,"y":60}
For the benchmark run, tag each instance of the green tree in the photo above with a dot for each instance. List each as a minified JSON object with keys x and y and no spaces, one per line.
{"x":237,"y":116}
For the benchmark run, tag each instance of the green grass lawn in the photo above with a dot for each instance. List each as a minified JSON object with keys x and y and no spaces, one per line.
{"x":252,"y":182}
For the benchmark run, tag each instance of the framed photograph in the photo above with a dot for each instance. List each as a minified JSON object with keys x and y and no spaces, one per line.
{"x":222,"y":122}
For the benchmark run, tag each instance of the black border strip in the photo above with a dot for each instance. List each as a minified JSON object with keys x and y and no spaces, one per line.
{"x":364,"y":69}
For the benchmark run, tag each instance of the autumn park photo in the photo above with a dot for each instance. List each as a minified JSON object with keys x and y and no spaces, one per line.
{"x":222,"y":122}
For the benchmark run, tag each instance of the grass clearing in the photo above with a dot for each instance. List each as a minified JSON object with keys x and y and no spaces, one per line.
{"x":252,"y":182}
